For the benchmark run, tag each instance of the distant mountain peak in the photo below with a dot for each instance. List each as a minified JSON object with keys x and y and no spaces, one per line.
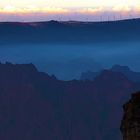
{"x":107,"y":75}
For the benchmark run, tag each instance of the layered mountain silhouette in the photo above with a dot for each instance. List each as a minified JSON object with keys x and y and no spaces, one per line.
{"x":36,"y":106}
{"x":54,"y":32}
{"x":131,"y":75}
{"x":125,"y":70}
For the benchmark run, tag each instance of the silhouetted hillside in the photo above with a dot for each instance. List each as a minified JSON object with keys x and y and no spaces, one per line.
{"x":36,"y":106}
{"x":69,"y":32}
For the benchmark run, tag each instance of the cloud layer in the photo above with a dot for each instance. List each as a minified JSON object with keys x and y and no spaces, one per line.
{"x":98,"y":10}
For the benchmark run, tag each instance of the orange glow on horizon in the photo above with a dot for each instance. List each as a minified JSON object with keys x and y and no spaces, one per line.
{"x":32,"y":9}
{"x":68,"y":8}
{"x":64,"y":6}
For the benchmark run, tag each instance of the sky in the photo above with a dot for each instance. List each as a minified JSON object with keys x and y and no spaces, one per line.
{"x":34,"y":10}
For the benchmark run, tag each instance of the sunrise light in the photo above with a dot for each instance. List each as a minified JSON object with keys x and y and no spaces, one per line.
{"x":69,"y":7}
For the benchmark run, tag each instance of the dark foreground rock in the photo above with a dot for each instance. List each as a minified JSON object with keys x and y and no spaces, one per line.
{"x":36,"y":106}
{"x":130,"y":125}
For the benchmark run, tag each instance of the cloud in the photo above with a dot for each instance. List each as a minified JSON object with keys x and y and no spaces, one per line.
{"x":32,"y":9}
{"x":89,"y":10}
{"x":35,"y":13}
{"x":94,"y":10}
{"x":121,"y":8}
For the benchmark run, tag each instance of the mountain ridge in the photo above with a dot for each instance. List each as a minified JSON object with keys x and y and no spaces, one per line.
{"x":54,"y":32}
{"x":125,"y":70}
{"x":36,"y":106}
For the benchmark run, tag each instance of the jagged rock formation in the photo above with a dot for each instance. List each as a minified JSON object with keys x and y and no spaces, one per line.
{"x":36,"y":106}
{"x":130,"y":126}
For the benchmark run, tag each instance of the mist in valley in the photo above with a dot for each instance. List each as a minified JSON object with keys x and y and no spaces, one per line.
{"x":67,"y":62}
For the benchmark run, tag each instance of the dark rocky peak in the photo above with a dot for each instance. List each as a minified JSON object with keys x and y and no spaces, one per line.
{"x":26,"y":68}
{"x":135,"y":97}
{"x":112,"y":82}
{"x":131,"y":75}
{"x":21,"y":73}
{"x":130,"y":125}
{"x":53,"y":22}
{"x":107,"y":75}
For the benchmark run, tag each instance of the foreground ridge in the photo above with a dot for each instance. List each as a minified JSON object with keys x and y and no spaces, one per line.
{"x":130,"y":126}
{"x":36,"y":106}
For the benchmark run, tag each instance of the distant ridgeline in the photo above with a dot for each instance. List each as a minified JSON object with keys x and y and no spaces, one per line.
{"x":125,"y":70}
{"x":36,"y":106}
{"x":130,"y":126}
{"x":55,"y":32}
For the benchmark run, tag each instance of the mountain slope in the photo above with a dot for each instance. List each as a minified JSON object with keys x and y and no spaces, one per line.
{"x":131,"y":75}
{"x":36,"y":106}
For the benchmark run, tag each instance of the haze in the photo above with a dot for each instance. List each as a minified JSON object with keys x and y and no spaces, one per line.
{"x":69,"y":61}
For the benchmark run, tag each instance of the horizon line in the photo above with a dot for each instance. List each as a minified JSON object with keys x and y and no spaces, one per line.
{"x":59,"y":21}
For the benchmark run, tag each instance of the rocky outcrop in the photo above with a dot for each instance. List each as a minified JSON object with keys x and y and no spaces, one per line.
{"x":130,"y":126}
